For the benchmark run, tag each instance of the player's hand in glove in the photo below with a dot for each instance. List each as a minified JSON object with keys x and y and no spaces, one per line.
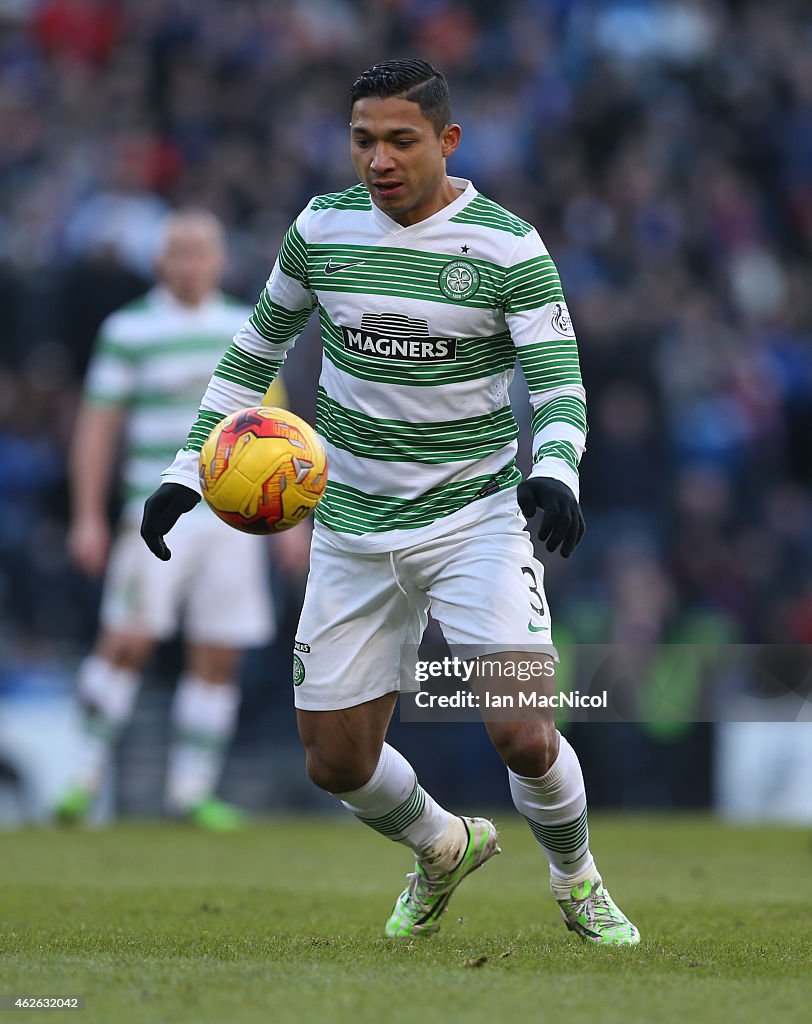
{"x":562,"y":522}
{"x":161,"y":511}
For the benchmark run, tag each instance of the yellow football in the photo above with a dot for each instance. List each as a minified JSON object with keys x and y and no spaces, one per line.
{"x":263,"y":470}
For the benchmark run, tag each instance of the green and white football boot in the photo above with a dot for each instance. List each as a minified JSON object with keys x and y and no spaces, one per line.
{"x":75,"y":806}
{"x":213,"y":815}
{"x":590,"y":912}
{"x":424,"y":900}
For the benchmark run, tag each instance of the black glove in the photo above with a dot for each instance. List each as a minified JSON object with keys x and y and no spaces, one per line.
{"x":562,"y":522}
{"x":161,"y":511}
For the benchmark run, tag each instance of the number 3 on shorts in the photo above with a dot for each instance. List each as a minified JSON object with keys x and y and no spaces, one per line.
{"x":534,"y":590}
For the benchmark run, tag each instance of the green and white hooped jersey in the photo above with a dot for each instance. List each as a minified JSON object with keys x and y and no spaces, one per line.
{"x":421,"y":328}
{"x":155,"y":357}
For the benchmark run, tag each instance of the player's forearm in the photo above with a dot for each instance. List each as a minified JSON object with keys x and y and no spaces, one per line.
{"x":559,"y":424}
{"x":92,"y":455}
{"x":542,"y":332}
{"x":559,"y":431}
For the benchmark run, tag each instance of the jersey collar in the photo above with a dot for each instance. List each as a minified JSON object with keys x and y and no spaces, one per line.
{"x":440,"y":217}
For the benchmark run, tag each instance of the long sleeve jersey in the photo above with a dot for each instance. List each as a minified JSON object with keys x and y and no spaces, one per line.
{"x":421,"y":329}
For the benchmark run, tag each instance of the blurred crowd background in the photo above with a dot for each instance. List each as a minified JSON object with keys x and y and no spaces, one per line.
{"x":663,"y":150}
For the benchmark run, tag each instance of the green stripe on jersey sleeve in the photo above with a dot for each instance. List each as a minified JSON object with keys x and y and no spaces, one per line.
{"x":355,"y":198}
{"x":563,"y":450}
{"x":274,"y":322}
{"x":293,"y":256}
{"x":240,"y":367}
{"x":564,"y":409}
{"x":531,"y":284}
{"x":201,"y":428}
{"x":489,"y":214}
{"x":345,"y":509}
{"x":405,"y":441}
{"x":549,"y":364}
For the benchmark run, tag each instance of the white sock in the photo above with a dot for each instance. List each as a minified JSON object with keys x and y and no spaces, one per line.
{"x":204,"y":718}
{"x":395,"y":804}
{"x":555,"y":809}
{"x":107,"y":694}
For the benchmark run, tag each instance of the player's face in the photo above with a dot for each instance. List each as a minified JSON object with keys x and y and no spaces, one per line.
{"x":398,"y":155}
{"x":191,"y":262}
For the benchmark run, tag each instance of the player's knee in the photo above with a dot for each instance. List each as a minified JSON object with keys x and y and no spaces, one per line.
{"x":125,"y":650}
{"x":528,"y":749}
{"x":216,"y":665}
{"x":343,"y":775}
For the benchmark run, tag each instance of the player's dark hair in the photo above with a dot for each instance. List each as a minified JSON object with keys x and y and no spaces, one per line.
{"x":414,"y":80}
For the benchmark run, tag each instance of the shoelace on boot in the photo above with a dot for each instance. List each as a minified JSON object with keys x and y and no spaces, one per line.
{"x":421,"y":888}
{"x":597,"y":908}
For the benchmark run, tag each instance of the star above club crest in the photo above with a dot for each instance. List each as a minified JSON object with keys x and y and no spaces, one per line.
{"x":463,"y":248}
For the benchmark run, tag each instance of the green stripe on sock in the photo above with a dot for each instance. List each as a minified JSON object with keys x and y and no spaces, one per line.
{"x":202,"y":740}
{"x":402,"y":817}
{"x":564,"y":838}
{"x":100,"y":727}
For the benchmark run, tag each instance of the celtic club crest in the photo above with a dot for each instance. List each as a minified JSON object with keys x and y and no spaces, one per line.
{"x":459,"y":280}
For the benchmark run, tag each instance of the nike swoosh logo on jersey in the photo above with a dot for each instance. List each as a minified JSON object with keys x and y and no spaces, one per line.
{"x":534,"y":629}
{"x":335,"y":268}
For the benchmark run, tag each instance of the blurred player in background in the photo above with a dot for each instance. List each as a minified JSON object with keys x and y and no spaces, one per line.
{"x":151,"y":360}
{"x":427,"y":293}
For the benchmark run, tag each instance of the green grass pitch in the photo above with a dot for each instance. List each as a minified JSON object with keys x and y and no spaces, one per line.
{"x":282,"y":923}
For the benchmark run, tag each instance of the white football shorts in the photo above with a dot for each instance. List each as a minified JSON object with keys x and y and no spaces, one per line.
{"x":481,"y":581}
{"x":215,"y":586}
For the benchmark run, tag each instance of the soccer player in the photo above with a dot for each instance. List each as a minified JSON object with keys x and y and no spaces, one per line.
{"x":427,"y":293}
{"x":150,"y":363}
